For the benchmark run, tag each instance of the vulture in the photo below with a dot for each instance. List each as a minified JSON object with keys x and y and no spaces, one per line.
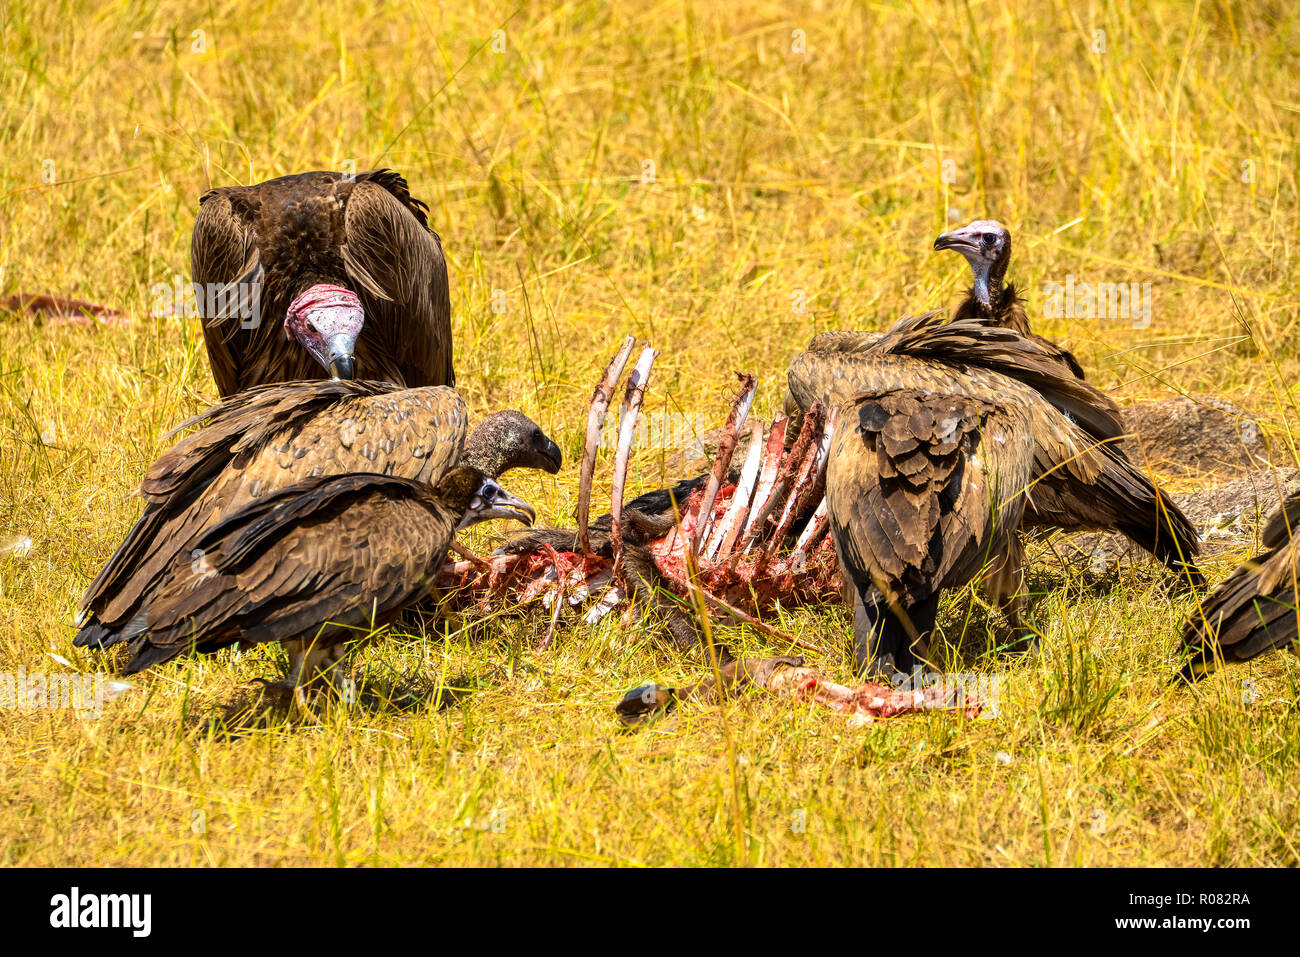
{"x":263,"y":441}
{"x":312,"y":566}
{"x":321,"y":274}
{"x":1254,"y":610}
{"x":951,"y":431}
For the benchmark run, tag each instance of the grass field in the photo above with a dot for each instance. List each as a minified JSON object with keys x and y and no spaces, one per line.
{"x":722,"y":180}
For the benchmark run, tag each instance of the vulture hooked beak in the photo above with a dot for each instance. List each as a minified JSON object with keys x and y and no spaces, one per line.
{"x":983,"y":243}
{"x":550,"y":458}
{"x":961,"y":240}
{"x":326,"y":320}
{"x":341,"y":363}
{"x":492,"y":501}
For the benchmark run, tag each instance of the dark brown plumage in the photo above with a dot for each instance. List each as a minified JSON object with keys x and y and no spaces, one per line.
{"x":313,"y":565}
{"x":950,"y":432}
{"x":1254,"y":610}
{"x":362,"y":236}
{"x":272,"y":437}
{"x":1117,"y":496}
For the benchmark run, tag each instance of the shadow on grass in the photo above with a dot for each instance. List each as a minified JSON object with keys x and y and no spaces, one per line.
{"x":252,"y":709}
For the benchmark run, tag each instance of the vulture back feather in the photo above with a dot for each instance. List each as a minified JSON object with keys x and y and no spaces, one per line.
{"x":273,"y":437}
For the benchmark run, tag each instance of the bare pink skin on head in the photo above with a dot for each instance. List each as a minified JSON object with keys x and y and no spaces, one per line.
{"x":326,"y":320}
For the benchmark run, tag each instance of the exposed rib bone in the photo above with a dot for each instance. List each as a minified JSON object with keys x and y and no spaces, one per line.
{"x":632,"y":400}
{"x":812,"y":534}
{"x":792,"y":462}
{"x":595,"y":421}
{"x":725,"y":532}
{"x":766,"y":478}
{"x":722,"y":461}
{"x":805,"y":483}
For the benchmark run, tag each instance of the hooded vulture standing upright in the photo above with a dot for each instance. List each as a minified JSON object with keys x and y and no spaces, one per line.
{"x":321,"y":274}
{"x":950,"y":430}
{"x":255,"y":445}
{"x":1254,"y":610}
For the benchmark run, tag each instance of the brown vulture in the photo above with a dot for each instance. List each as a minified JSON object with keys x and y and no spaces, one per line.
{"x":951,"y":431}
{"x":321,"y":274}
{"x":1254,"y":610}
{"x":260,"y":442}
{"x":312,"y":566}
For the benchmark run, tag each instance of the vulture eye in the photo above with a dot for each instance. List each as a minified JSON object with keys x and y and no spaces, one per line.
{"x":312,"y":327}
{"x":988,"y":239}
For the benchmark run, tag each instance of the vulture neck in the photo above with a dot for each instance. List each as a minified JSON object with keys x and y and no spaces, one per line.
{"x":987,"y":291}
{"x":485,"y":451}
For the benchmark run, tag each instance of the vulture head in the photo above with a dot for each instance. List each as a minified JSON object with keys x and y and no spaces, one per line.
{"x":476,"y":497}
{"x":986,"y":244}
{"x":326,"y":321}
{"x":510,"y":440}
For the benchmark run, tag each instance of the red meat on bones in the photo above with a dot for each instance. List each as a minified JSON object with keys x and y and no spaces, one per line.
{"x":742,"y":542}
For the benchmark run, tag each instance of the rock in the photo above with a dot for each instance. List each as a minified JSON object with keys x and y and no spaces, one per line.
{"x":1181,"y":437}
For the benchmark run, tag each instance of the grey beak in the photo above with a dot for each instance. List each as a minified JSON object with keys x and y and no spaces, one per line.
{"x":492,"y":501}
{"x":343,"y":367}
{"x":957,"y":240}
{"x":341,"y":362}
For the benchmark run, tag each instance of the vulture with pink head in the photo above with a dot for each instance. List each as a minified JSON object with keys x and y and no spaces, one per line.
{"x":321,"y":275}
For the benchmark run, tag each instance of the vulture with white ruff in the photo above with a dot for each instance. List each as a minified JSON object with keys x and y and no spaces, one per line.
{"x":321,"y":274}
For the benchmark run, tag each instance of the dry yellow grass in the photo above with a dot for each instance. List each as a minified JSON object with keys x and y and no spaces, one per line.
{"x":684,"y":173}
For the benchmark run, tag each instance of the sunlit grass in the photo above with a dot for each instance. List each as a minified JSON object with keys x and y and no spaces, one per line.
{"x":679,"y":172}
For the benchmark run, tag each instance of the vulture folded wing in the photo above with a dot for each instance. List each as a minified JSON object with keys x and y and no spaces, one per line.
{"x":263,"y":440}
{"x":332,"y":556}
{"x":1253,"y":611}
{"x":224,"y":255}
{"x":1083,"y":483}
{"x":397,"y":264}
{"x":910,"y":484}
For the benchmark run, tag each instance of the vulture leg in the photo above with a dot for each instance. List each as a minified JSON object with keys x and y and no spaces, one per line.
{"x":882,"y":644}
{"x":309,"y":664}
{"x":1005,"y":587}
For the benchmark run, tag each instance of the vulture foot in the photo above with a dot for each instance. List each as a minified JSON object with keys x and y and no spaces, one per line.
{"x":312,"y":668}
